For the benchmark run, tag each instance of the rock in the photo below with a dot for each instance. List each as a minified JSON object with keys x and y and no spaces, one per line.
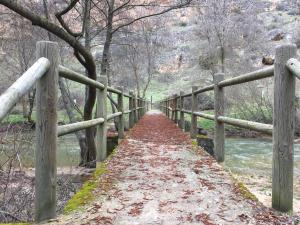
{"x":206,"y":143}
{"x":201,"y":131}
{"x":267,"y":60}
{"x":276,"y":34}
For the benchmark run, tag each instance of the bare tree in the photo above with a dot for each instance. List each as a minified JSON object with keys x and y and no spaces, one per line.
{"x":222,"y":25}
{"x":115,"y":16}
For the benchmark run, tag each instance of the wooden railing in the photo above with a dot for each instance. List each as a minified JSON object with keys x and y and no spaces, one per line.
{"x":284,"y":72}
{"x":44,"y":73}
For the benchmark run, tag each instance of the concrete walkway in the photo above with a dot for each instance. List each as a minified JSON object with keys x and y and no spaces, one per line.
{"x":158,"y":176}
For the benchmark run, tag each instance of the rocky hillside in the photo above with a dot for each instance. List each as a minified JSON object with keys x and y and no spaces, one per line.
{"x":179,"y":62}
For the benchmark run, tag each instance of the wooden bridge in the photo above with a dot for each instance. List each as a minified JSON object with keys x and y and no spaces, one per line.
{"x":157,"y":176}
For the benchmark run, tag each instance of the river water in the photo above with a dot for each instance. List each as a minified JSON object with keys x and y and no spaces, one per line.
{"x":250,"y":161}
{"x":253,"y":156}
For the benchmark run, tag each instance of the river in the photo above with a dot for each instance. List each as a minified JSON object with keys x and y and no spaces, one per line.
{"x":250,"y":160}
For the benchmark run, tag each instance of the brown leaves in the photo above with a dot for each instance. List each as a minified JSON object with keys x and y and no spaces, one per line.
{"x":136,"y":209}
{"x":204,"y":218}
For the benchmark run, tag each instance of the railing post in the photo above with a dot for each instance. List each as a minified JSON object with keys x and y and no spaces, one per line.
{"x":219,"y":152}
{"x":168,"y":108}
{"x":166,"y":104}
{"x":176,"y":111}
{"x":181,"y":123}
{"x":139,"y":110}
{"x":283,"y":133}
{"x":194,"y":117}
{"x":135,"y":102}
{"x":46,"y":134}
{"x":101,"y":112}
{"x":131,"y":108}
{"x":121,"y":117}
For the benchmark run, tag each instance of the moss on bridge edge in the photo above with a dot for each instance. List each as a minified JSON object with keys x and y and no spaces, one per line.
{"x":85,"y":194}
{"x":14,"y":224}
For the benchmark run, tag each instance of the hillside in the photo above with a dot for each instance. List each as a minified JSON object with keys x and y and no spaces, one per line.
{"x":278,"y":22}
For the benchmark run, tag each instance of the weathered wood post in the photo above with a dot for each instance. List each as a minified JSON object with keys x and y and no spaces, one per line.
{"x":181,"y":123}
{"x":46,"y":134}
{"x":176,"y":111}
{"x":194,"y":109}
{"x":283,"y":133}
{"x":122,"y":116}
{"x":131,"y":108}
{"x":219,"y":126}
{"x":166,"y":107}
{"x":101,"y":112}
{"x":135,"y":102}
{"x":139,"y":108}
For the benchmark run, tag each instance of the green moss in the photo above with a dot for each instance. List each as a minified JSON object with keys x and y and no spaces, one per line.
{"x":194,"y":142}
{"x":85,"y":194}
{"x":82,"y":197}
{"x":245,"y":192}
{"x":14,"y":224}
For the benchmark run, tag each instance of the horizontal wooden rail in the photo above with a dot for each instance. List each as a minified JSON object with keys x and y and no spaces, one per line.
{"x":201,"y":90}
{"x":256,"y":75}
{"x":71,"y":128}
{"x":113,"y":90}
{"x":77,"y":77}
{"x":261,"y":127}
{"x":22,"y":85}
{"x":294,"y":66}
{"x":114,"y":115}
{"x":74,"y":76}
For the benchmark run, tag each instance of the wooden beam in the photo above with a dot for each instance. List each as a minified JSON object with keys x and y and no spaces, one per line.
{"x":77,"y":77}
{"x":193,"y":116}
{"x":101,"y":135}
{"x":219,"y":136}
{"x":46,"y":134}
{"x":131,"y":107}
{"x":73,"y":127}
{"x":283,"y":134}
{"x":256,"y":75}
{"x":121,"y":123}
{"x":22,"y":86}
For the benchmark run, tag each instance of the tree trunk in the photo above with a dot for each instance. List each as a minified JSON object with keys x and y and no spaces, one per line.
{"x":73,"y":119}
{"x":89,"y":157}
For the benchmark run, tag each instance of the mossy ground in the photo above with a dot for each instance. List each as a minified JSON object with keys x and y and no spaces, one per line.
{"x":85,"y":194}
{"x":14,"y":223}
{"x":245,"y":191}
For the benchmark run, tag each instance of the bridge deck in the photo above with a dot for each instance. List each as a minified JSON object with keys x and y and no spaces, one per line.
{"x":158,"y":176}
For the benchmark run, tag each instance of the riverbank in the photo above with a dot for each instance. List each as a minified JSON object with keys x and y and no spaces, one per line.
{"x":17,"y":191}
